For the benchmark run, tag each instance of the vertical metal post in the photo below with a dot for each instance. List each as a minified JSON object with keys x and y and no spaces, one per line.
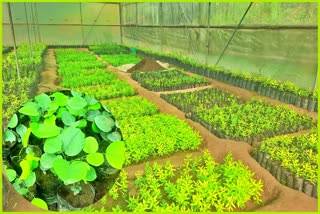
{"x":81,"y":19}
{"x":161,"y":26}
{"x":135,"y":35}
{"x":37,"y":20}
{"x":33,"y":23}
{"x":208,"y":32}
{"x":121,"y":22}
{"x":29,"y":39}
{"x":316,"y":83}
{"x":14,"y":41}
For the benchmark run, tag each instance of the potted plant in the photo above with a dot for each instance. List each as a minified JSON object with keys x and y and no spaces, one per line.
{"x":313,"y":101}
{"x":63,"y":142}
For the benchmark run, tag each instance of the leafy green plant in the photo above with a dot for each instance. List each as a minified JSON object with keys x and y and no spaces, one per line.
{"x":156,"y":135}
{"x":167,"y":80}
{"x":299,"y":153}
{"x":65,"y":132}
{"x":121,"y":59}
{"x":199,"y":185}
{"x":131,"y":107}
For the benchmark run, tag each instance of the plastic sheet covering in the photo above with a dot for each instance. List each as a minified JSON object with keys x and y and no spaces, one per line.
{"x":277,"y":40}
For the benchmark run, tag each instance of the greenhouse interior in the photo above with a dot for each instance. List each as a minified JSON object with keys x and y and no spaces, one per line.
{"x":160,"y":106}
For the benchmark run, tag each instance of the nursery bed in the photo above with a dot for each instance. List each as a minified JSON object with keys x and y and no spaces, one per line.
{"x":275,"y":197}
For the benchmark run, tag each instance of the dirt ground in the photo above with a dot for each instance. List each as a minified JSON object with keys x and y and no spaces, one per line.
{"x":276,"y":197}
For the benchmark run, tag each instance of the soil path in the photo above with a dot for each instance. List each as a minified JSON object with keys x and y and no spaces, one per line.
{"x":49,"y":79}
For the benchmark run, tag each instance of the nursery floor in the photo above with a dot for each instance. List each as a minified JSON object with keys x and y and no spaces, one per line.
{"x":275,"y":197}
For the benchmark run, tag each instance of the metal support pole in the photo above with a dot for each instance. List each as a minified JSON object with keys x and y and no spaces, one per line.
{"x":81,"y":19}
{"x":208,"y":32}
{"x":14,"y":41}
{"x":135,"y":35}
{"x":121,"y":22}
{"x":37,"y":20}
{"x":161,"y":25}
{"x":29,"y":39}
{"x":234,"y":33}
{"x":33,"y":24}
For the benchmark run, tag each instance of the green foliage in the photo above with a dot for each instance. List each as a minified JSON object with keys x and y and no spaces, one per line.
{"x":199,"y":185}
{"x":108,"y":49}
{"x":130,"y":107}
{"x":167,"y":80}
{"x":53,"y":125}
{"x":157,"y":135}
{"x":121,"y":59}
{"x":253,"y":119}
{"x":297,"y":153}
{"x":39,"y":203}
{"x":207,"y":98}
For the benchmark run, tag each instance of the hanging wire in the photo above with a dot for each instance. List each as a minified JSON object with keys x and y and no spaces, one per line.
{"x":234,"y":33}
{"x":94,"y":23}
{"x":14,"y":41}
{"x":29,"y":39}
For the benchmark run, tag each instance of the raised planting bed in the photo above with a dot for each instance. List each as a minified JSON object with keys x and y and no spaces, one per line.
{"x":78,"y":78}
{"x":200,"y":184}
{"x":292,"y":160}
{"x":58,"y":146}
{"x":72,"y":55}
{"x":121,"y":59}
{"x":168,"y":80}
{"x":156,"y":135}
{"x":284,"y":91}
{"x":109,"y":49}
{"x":250,"y":122}
{"x":117,"y":88}
{"x":131,"y":107}
{"x":189,"y":101}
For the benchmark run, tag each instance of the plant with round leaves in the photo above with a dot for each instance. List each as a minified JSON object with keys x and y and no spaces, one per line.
{"x":74,"y":132}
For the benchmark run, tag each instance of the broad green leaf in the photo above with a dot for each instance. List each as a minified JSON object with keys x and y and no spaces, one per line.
{"x":51,"y":110}
{"x":91,"y":114}
{"x":50,"y":120}
{"x":73,"y":141}
{"x":82,"y":123}
{"x":91,"y":145}
{"x":91,"y":175}
{"x":21,"y":130}
{"x":26,"y":170}
{"x":60,"y":98}
{"x":77,"y":111}
{"x":67,"y":118}
{"x":21,"y":191}
{"x":33,"y":161}
{"x":76,"y":93}
{"x":60,"y":111}
{"x":114,"y":136}
{"x":95,"y":159}
{"x":9,"y":136}
{"x":25,"y":138}
{"x":115,"y":154}
{"x":104,"y":123}
{"x":13,"y":121}
{"x":76,"y":103}
{"x":43,"y":100}
{"x":46,"y":131}
{"x":62,"y":168}
{"x":80,"y":170}
{"x":94,"y":128}
{"x":11,"y":173}
{"x":94,"y":106}
{"x":90,"y":100}
{"x":29,"y":110}
{"x":53,"y":145}
{"x":39,"y":203}
{"x":46,"y":161}
{"x":30,"y":180}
